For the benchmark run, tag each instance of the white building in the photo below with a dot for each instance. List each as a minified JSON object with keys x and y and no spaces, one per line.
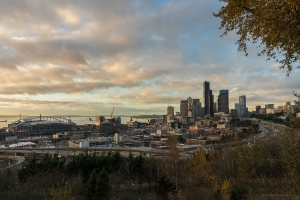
{"x":122,"y":138}
{"x":84,"y":144}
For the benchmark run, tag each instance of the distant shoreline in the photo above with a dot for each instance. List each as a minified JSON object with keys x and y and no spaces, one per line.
{"x":139,"y":116}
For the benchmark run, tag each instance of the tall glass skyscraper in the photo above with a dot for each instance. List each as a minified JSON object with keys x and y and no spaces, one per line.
{"x":242,"y":102}
{"x":211,"y":103}
{"x":206,"y":97}
{"x":196,"y":110}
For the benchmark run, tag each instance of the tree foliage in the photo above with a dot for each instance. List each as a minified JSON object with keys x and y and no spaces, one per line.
{"x":163,"y":187}
{"x":102,"y":189}
{"x":61,"y":191}
{"x":47,"y":164}
{"x":91,"y":185}
{"x":273,"y":24}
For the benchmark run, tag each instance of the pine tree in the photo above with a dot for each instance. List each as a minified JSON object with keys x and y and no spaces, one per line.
{"x":91,"y":185}
{"x":163,"y":187}
{"x":102,"y":189}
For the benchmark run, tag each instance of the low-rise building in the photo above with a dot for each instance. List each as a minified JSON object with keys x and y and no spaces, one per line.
{"x":224,"y":125}
{"x":59,"y":135}
{"x":122,"y":138}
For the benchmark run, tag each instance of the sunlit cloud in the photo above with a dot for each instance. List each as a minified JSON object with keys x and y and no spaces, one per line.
{"x":85,"y":56}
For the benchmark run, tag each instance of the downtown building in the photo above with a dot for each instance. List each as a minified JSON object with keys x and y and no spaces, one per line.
{"x":240,"y":107}
{"x":243,"y":108}
{"x":170,"y":110}
{"x":196,"y":108}
{"x":190,"y":107}
{"x":184,"y":107}
{"x":223,"y":102}
{"x":208,"y":99}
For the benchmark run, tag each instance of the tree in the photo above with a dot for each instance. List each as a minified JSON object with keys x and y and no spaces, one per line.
{"x":273,"y":24}
{"x":127,"y":166}
{"x":200,"y":164}
{"x":138,"y":168}
{"x":163,"y":187}
{"x":91,"y":185}
{"x":61,"y":191}
{"x":102,"y":189}
{"x":298,"y":98}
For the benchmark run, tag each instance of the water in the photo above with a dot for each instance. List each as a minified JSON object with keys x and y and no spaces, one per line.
{"x":79,"y":120}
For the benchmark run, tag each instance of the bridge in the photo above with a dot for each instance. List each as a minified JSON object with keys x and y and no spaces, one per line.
{"x":67,"y":151}
{"x":14,"y":162}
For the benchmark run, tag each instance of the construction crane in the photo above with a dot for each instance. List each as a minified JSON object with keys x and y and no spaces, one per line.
{"x":112,"y":112}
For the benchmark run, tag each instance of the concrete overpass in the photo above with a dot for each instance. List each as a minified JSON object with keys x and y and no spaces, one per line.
{"x":68,"y":151}
{"x":14,"y":162}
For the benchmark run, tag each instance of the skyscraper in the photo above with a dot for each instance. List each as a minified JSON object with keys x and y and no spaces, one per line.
{"x":170,"y":110}
{"x":242,"y":102}
{"x":237,"y":107}
{"x":257,"y":108}
{"x":184,"y":107}
{"x":211,"y":103}
{"x":223,"y":102}
{"x":196,"y":110}
{"x":190,"y":104}
{"x":206,"y":97}
{"x":287,"y":105}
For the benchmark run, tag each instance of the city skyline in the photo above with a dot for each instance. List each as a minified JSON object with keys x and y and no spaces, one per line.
{"x":85,"y":57}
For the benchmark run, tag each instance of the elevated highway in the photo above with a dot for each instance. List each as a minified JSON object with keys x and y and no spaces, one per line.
{"x":13,"y":162}
{"x":67,"y":151}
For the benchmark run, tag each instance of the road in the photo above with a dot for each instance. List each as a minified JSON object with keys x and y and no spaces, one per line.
{"x":67,"y":151}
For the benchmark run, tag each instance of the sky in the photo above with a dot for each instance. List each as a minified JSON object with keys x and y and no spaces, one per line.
{"x":84,"y":57}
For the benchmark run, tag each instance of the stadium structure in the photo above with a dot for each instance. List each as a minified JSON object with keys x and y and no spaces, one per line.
{"x":40,"y":125}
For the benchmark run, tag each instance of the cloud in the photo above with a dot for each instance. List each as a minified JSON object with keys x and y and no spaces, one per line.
{"x":130,"y":53}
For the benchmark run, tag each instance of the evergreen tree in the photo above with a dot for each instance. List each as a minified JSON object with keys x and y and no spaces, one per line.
{"x":163,"y":187}
{"x":91,"y":185}
{"x":102,"y":189}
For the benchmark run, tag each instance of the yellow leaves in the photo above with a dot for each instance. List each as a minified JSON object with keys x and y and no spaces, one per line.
{"x":223,"y":190}
{"x":200,"y":164}
{"x":226,"y":190}
{"x":176,"y":196}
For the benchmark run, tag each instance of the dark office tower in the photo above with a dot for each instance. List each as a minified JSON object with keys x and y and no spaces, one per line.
{"x":184,"y":107}
{"x":211,"y":104}
{"x":257,"y":109}
{"x":223,"y":102}
{"x":202,"y":112}
{"x":215,"y":106}
{"x":206,"y":97}
{"x":242,"y":102}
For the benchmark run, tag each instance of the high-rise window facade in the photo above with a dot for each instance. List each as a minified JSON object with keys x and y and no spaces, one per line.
{"x":170,"y":110}
{"x":257,"y":108}
{"x":206,"y":97}
{"x":242,"y":102}
{"x":223,"y":101}
{"x":184,"y":108}
{"x":211,"y":103}
{"x":196,"y":109}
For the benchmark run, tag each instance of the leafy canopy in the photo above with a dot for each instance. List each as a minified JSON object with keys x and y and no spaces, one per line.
{"x":273,"y":24}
